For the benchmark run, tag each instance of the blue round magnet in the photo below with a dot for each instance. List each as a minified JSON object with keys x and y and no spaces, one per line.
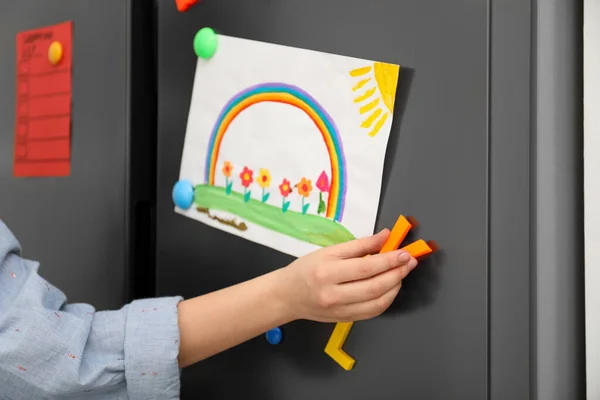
{"x":183,"y":194}
{"x":274,"y":336}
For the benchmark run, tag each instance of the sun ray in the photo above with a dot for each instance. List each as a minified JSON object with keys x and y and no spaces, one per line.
{"x":374,"y":87}
{"x":379,"y":124}
{"x":361,"y":84}
{"x":360,"y":71}
{"x":369,"y":121}
{"x":369,"y":106}
{"x":365,"y":95}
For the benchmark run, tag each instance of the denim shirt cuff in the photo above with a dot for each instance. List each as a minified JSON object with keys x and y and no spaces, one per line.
{"x":152,"y":349}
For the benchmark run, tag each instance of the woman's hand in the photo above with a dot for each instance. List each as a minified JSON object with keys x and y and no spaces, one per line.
{"x":339,"y":283}
{"x":333,"y":284}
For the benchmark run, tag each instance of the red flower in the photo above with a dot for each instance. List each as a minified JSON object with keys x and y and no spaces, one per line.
{"x":323,"y":182}
{"x":285,"y":189}
{"x":246,"y":177}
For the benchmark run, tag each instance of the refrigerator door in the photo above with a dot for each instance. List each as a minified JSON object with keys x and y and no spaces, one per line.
{"x":432,"y":344}
{"x":83,"y":228}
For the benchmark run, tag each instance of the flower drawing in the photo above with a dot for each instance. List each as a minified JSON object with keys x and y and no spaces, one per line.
{"x":264,"y":181}
{"x":304,"y":188}
{"x":247,"y":179}
{"x":323,"y":186}
{"x":323,"y":182}
{"x":227,"y":170}
{"x":285,"y":189}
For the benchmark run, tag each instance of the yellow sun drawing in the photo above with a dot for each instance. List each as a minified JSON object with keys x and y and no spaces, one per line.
{"x":376,"y":89}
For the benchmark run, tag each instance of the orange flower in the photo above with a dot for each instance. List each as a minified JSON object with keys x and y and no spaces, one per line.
{"x":246,"y":177}
{"x":304,"y":187}
{"x":227,"y":169}
{"x":285,"y":189}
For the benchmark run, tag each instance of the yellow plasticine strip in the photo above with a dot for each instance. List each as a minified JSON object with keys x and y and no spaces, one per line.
{"x":334,"y":347}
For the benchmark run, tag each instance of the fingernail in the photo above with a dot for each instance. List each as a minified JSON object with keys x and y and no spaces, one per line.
{"x":412,"y":264}
{"x":404,"y":257}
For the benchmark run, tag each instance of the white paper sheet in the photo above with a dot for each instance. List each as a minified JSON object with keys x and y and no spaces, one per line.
{"x":301,"y":115}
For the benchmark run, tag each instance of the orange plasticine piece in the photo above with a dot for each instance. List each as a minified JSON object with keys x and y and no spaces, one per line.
{"x":399,"y":232}
{"x":334,"y":347}
{"x":418,"y":249}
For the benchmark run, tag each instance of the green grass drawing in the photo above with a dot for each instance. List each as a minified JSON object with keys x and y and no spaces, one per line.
{"x":309,"y":228}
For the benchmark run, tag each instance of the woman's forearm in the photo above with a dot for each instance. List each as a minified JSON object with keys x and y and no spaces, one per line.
{"x":332,"y":284}
{"x":220,"y":320}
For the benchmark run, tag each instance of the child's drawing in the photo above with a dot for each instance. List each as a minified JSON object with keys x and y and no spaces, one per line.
{"x":285,"y":147}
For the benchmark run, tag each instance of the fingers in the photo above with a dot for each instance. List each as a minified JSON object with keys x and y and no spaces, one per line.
{"x":375,"y":287}
{"x":369,"y":309}
{"x":361,"y":247}
{"x":362,"y":268}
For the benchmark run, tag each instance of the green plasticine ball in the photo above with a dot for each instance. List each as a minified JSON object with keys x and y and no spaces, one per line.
{"x":205,"y":43}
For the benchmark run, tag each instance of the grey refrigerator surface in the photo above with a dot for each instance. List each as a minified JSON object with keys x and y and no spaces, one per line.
{"x":433,"y":342}
{"x":485,"y":153}
{"x":81,"y":227}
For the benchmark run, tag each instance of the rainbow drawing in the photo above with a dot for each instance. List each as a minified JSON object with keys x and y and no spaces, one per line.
{"x":294,"y":96}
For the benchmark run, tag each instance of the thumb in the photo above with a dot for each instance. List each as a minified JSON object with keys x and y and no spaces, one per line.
{"x":361,"y":247}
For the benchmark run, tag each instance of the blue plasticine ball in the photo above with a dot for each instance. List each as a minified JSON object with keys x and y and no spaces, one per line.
{"x":274,"y":336}
{"x":183,"y":194}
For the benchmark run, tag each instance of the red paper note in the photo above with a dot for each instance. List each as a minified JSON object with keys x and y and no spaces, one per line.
{"x":43,"y":121}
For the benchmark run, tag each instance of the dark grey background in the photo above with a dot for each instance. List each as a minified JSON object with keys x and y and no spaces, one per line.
{"x":433,"y":343}
{"x":75,"y":226}
{"x":92,"y":231}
